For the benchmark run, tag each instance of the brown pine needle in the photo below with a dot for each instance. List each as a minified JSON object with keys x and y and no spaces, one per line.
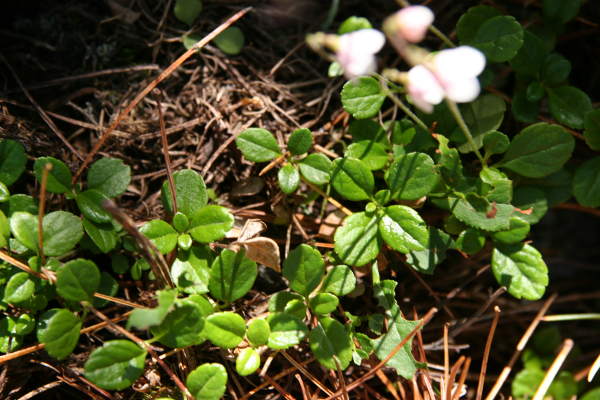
{"x":564,"y":351}
{"x":593,"y":369}
{"x":486,"y":353}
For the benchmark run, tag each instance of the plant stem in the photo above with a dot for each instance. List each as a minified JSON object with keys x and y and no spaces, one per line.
{"x":463,"y":126}
{"x":571,"y":317}
{"x":432,"y":28}
{"x":401,"y":105}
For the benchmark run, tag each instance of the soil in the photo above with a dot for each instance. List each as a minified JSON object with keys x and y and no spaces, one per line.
{"x":82,"y":63}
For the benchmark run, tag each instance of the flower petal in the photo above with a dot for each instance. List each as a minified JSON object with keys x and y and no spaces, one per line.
{"x":423,"y":88}
{"x":363,"y":41}
{"x":412,"y":22}
{"x":460,"y":62}
{"x":463,"y":91}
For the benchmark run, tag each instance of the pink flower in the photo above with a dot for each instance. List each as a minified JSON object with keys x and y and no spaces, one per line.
{"x":412,"y":22}
{"x":356,"y":51}
{"x":450,"y":73}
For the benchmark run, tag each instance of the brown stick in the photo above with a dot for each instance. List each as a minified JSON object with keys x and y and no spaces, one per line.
{"x":45,"y":171}
{"x":165,"y":146}
{"x":486,"y":353}
{"x":168,"y":71}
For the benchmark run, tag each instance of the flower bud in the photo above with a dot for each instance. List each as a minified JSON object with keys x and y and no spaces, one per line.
{"x":356,"y":51}
{"x":411,"y":23}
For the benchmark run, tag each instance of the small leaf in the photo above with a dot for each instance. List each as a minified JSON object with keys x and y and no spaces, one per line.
{"x":116,"y":365}
{"x":371,"y":153}
{"x":367,"y":129}
{"x":77,"y":280}
{"x":403,"y":229}
{"x":110,"y":176}
{"x":569,"y":105}
{"x":530,"y":199}
{"x":90,"y":205}
{"x":353,"y":24}
{"x":287,"y":302}
{"x":592,"y":129}
{"x":191,"y":269}
{"x":210,"y":223}
{"x":19,"y":288}
{"x":352,"y":179}
{"x":403,"y":360}
{"x":323,"y":303}
{"x":258,"y":332}
{"x":411,"y":176}
{"x":190,"y":192}
{"x":483,"y":115}
{"x":304,"y":268}
{"x":340,"y":280}
{"x":531,"y":56}
{"x":247,"y":361}
{"x":20,"y":202}
{"x":187,"y":10}
{"x":181,"y":223}
{"x":362,"y":97}
{"x":231,"y":276}
{"x":479,"y":213}
{"x":470,"y":241}
{"x":538,"y":150}
{"x":286,"y":331}
{"x":495,"y":142}
{"x":517,"y":231}
{"x":470,"y":22}
{"x":586,"y":183}
{"x":525,"y":383}
{"x":357,"y":241}
{"x":143,"y":318}
{"x":182,"y":327}
{"x":24,"y":228}
{"x":225,"y":329}
{"x":426,"y":260}
{"x":521,"y":269}
{"x":289,"y":178}
{"x":207,"y":382}
{"x":104,"y":236}
{"x":258,"y":145}
{"x":316,"y":168}
{"x":58,"y":329}
{"x":230,"y":41}
{"x":161,"y":234}
{"x":555,"y":70}
{"x":499,"y":38}
{"x":300,"y":141}
{"x":62,"y":231}
{"x":59,"y":177}
{"x":522,"y":109}
{"x":329,"y":341}
{"x":561,"y":11}
{"x":12,"y":161}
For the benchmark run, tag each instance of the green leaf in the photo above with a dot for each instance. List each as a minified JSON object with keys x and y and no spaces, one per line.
{"x":288,"y":302}
{"x":304,"y":268}
{"x":368,"y":129}
{"x":286,"y":331}
{"x":210,"y":223}
{"x":58,"y":329}
{"x":560,"y":11}
{"x":19,"y":288}
{"x":470,"y":22}
{"x":103,"y":235}
{"x":479,"y":213}
{"x":517,"y":231}
{"x":90,"y":205}
{"x":592,"y":129}
{"x":555,"y":70}
{"x":538,"y":150}
{"x":362,"y":97}
{"x":190,"y":192}
{"x":258,"y":145}
{"x":563,"y":387}
{"x":531,"y":55}
{"x":24,"y":228}
{"x":225,"y":329}
{"x":526,"y":198}
{"x":181,"y":223}
{"x":230,"y":41}
{"x":20,"y":202}
{"x":116,"y":365}
{"x":110,"y":176}
{"x":569,"y":105}
{"x":59,"y":177}
{"x":525,"y":383}
{"x":258,"y":332}
{"x":521,"y":269}
{"x":207,"y":382}
{"x":495,"y":142}
{"x":289,"y":178}
{"x":524,"y":110}
{"x":4,"y":193}
{"x":354,"y":24}
{"x":586,"y":183}
{"x":231,"y":276}
{"x":470,"y":241}
{"x":78,"y":280}
{"x":340,"y":280}
{"x":191,"y":269}
{"x":12,"y":161}
{"x":411,"y":176}
{"x":300,"y":141}
{"x":357,"y":241}
{"x":247,"y":361}
{"x":187,"y":10}
{"x":182,"y":326}
{"x":323,"y":303}
{"x":184,"y":241}
{"x":426,"y":260}
{"x":62,"y":231}
{"x":499,"y":38}
{"x":329,"y":341}
{"x":316,"y":168}
{"x":482,"y":115}
{"x":593,"y":394}
{"x":403,"y":360}
{"x":371,"y":153}
{"x":108,"y":286}
{"x":403,"y":229}
{"x":352,"y":179}
{"x":161,"y":234}
{"x":21,"y":325}
{"x":144,"y":318}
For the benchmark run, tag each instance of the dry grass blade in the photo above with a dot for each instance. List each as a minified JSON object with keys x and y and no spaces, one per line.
{"x":486,"y":353}
{"x":564,"y":351}
{"x":42,"y":209}
{"x":165,"y":149}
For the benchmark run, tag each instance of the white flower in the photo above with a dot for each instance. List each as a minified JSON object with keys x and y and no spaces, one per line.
{"x":412,"y":22}
{"x":451,"y":73}
{"x":356,"y":51}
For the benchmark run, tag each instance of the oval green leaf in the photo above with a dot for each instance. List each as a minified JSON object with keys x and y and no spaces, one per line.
{"x":116,"y":365}
{"x":304,"y":268}
{"x":231,"y":276}
{"x":62,"y":231}
{"x":90,"y":205}
{"x":521,"y":269}
{"x":403,"y":229}
{"x":371,"y":153}
{"x":182,"y":327}
{"x":58,"y":329}
{"x":59,"y":177}
{"x":247,"y":362}
{"x":210,"y":223}
{"x":258,"y":145}
{"x":286,"y":331}
{"x":207,"y":382}
{"x":289,"y":179}
{"x":323,"y":303}
{"x":300,"y":141}
{"x":110,"y":176}
{"x":190,"y":192}
{"x":316,"y":168}
{"x":19,"y":288}
{"x":357,"y":241}
{"x":569,"y":105}
{"x":230,"y":41}
{"x":161,"y":234}
{"x":352,"y":179}
{"x":258,"y":332}
{"x":499,"y":38}
{"x":329,"y":341}
{"x":362,"y":97}
{"x":225,"y":329}
{"x":411,"y":176}
{"x":586,"y":183}
{"x":78,"y":280}
{"x":12,"y":161}
{"x":340,"y":280}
